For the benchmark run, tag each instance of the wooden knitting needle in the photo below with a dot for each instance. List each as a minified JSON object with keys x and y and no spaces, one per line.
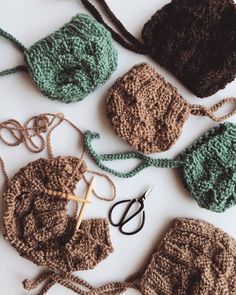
{"x":78,"y":199}
{"x":67,"y":196}
{"x":81,"y":213}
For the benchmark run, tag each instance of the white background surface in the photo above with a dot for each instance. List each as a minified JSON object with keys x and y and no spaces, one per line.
{"x":30,"y":20}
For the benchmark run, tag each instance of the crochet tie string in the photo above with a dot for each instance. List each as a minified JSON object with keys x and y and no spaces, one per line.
{"x":199,"y":110}
{"x":75,"y":283}
{"x":128,"y":41}
{"x":17,"y":44}
{"x":145,"y":160}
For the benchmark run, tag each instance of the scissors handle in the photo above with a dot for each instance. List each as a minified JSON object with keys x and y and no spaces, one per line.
{"x":123,"y":219}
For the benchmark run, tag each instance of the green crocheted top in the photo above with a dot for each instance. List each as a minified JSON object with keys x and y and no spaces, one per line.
{"x":207,"y":167}
{"x":70,"y":63}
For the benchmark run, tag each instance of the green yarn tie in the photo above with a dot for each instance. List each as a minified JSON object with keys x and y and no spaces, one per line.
{"x":13,"y":70}
{"x":145,"y":160}
{"x":207,"y":167}
{"x":17,"y":44}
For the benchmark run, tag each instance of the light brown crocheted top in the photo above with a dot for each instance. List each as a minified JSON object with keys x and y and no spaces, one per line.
{"x":149,"y":113}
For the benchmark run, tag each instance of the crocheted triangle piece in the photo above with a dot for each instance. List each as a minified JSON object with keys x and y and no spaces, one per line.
{"x":195,"y":40}
{"x":209,"y":167}
{"x":38,"y":226}
{"x":72,"y":62}
{"x":146,"y":111}
{"x":194,"y":258}
{"x":149,"y":113}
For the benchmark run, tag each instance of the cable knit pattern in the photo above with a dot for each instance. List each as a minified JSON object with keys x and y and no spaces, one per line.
{"x":196,"y":41}
{"x":194,"y":258}
{"x":72,"y":62}
{"x":207,"y":167}
{"x":38,"y":226}
{"x":148,"y":112}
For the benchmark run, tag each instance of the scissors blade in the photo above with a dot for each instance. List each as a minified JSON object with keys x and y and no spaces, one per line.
{"x":148,"y":192}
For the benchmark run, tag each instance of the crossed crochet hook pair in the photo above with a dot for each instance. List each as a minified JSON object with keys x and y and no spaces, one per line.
{"x":77,"y":199}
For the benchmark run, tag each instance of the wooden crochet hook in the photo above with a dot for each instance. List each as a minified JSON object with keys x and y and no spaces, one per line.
{"x":81,"y":213}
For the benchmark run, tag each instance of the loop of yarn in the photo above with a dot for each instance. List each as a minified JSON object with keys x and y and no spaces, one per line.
{"x":200,"y":110}
{"x":35,"y":127}
{"x":20,"y":46}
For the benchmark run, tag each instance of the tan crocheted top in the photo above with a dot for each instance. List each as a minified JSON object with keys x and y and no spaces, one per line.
{"x":149,"y":113}
{"x":38,"y":226}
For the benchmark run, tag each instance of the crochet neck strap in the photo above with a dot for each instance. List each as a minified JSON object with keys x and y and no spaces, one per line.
{"x":18,"y":45}
{"x":32,"y":135}
{"x":127,"y":40}
{"x":75,"y":283}
{"x":200,"y":110}
{"x":145,"y":161}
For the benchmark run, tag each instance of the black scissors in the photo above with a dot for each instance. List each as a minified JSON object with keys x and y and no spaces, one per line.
{"x":123,"y":219}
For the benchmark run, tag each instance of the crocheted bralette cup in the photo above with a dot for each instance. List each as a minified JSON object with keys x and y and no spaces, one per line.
{"x":195,"y":40}
{"x":207,"y":167}
{"x":70,"y":63}
{"x":36,"y":221}
{"x":149,"y":113}
{"x":194,"y":258}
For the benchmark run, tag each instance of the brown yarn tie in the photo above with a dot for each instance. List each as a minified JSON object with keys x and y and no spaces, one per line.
{"x":200,"y":110}
{"x":75,"y":283}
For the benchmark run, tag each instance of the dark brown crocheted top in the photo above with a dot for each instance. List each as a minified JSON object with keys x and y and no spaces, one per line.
{"x":194,"y":39}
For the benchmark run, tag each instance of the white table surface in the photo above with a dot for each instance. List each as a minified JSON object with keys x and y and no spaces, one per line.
{"x":30,"y":20}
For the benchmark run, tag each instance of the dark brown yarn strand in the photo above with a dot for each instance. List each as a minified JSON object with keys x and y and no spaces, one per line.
{"x":133,"y":44}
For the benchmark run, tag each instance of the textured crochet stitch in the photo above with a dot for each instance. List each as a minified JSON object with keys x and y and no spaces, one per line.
{"x":71,"y":62}
{"x":207,"y":167}
{"x":194,"y":258}
{"x":196,"y":41}
{"x":38,"y":225}
{"x":149,"y":113}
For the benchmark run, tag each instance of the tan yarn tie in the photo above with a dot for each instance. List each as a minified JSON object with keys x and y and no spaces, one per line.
{"x":35,"y":127}
{"x":4,"y":171}
{"x":200,"y":110}
{"x":75,"y":283}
